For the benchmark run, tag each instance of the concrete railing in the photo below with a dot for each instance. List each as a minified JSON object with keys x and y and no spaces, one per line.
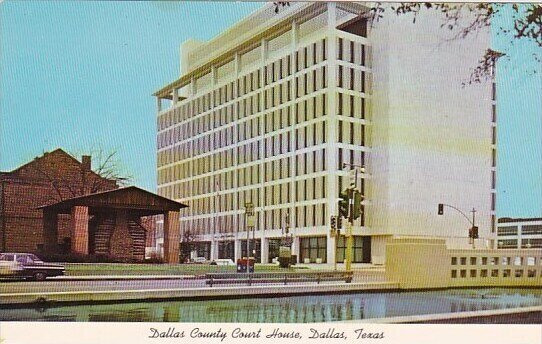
{"x":417,"y":263}
{"x":510,"y":267}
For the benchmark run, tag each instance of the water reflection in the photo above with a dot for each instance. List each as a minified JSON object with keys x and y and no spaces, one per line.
{"x":299,"y":309}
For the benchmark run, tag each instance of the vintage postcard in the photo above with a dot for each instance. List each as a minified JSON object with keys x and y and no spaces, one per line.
{"x":226,"y":172}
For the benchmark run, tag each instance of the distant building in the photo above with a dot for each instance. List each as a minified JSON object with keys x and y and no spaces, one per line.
{"x":48,"y":179}
{"x":519,"y":232}
{"x":56,"y":204}
{"x":269,"y":111}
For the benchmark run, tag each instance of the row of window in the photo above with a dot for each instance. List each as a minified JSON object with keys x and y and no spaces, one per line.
{"x":304,"y":190}
{"x":350,"y":51}
{"x":525,"y":243}
{"x":351,"y":79}
{"x":307,"y":136}
{"x":525,"y":230}
{"x":306,"y":110}
{"x":275,"y":96}
{"x":531,"y":273}
{"x":306,"y":216}
{"x":495,"y":261}
{"x":304,"y":163}
{"x":273,"y":72}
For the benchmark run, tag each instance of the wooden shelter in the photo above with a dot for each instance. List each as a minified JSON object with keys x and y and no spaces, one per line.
{"x":109,"y":223}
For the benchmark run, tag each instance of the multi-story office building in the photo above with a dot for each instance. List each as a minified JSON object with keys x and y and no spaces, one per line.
{"x":519,"y":232}
{"x":269,"y":111}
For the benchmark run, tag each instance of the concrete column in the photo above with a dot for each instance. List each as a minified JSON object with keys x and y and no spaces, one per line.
{"x":296,"y":247}
{"x":172,"y":236}
{"x":293,"y":139}
{"x":331,"y":242}
{"x":158,"y":104}
{"x":237,"y":249}
{"x":331,"y":139}
{"x":260,"y":195}
{"x":79,"y":230}
{"x":175,"y":97}
{"x":50,"y":231}
{"x":193,"y":87}
{"x":214,"y":249}
{"x":264,"y":250}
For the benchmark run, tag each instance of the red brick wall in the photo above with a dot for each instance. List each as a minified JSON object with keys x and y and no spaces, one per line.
{"x":31,"y":186}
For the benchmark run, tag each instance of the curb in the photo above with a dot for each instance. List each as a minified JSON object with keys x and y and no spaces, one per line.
{"x":122,"y":278}
{"x":43,"y":298}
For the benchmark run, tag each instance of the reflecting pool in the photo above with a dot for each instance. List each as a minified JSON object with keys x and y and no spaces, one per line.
{"x":296,"y":309}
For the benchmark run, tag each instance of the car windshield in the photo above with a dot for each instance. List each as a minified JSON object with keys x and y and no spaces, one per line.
{"x":34,"y":258}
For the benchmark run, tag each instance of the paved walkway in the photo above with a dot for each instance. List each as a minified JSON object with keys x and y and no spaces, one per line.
{"x":222,"y":292}
{"x":120,"y":277}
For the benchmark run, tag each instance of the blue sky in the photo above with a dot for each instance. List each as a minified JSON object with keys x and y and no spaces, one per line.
{"x":80,"y":75}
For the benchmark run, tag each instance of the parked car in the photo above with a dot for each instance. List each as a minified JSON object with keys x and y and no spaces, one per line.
{"x":199,"y":260}
{"x":27,"y":266}
{"x":226,"y":262}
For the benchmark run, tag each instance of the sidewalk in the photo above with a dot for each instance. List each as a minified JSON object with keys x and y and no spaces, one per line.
{"x":198,"y":293}
{"x":122,"y":277}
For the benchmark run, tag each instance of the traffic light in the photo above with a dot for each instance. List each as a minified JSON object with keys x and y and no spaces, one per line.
{"x":343,"y":204}
{"x":357,"y":205}
{"x":333,"y":222}
{"x":473,"y":232}
{"x":441,"y":209}
{"x":339,"y":223}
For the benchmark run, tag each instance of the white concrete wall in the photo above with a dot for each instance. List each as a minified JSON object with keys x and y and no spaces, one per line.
{"x":431,"y":138}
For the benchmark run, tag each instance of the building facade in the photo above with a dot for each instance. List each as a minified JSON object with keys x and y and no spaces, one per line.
{"x":50,"y":178}
{"x":519,"y":233}
{"x":269,"y":112}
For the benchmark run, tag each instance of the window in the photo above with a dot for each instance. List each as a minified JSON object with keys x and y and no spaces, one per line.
{"x":531,"y":230}
{"x":510,"y":230}
{"x":313,"y":248}
{"x":357,"y":249}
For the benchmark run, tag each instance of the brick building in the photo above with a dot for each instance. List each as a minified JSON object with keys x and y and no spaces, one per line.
{"x":50,"y":178}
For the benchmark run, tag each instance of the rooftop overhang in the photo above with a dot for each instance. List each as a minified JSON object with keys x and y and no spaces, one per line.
{"x":274,"y":28}
{"x":133,"y":199}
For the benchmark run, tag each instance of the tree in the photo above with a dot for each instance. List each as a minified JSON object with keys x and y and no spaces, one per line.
{"x":70,"y":178}
{"x":187,"y":244}
{"x":466,"y":19}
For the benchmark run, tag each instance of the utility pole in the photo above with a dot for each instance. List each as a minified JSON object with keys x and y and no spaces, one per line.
{"x":472,"y":232}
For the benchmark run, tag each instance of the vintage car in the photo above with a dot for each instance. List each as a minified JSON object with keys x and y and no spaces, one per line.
{"x":27,"y":266}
